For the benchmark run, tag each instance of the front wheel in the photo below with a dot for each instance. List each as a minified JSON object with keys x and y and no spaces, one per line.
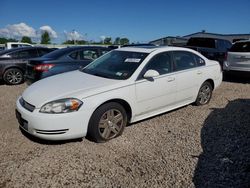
{"x":205,"y":94}
{"x":107,"y":122}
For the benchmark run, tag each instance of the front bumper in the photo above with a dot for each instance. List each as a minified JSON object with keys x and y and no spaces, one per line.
{"x":53,"y":126}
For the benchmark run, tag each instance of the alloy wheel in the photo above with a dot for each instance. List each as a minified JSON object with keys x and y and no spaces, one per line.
{"x":14,"y":76}
{"x":111,"y":124}
{"x":204,"y":94}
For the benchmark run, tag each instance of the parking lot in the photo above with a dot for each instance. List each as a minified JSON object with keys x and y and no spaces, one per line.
{"x":205,"y":146}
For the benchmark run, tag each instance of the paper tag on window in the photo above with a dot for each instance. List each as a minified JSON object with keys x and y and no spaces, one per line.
{"x":118,"y":73}
{"x":132,"y":60}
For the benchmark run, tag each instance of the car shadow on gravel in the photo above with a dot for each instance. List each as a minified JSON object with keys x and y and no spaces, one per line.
{"x":2,"y":82}
{"x":225,"y":139}
{"x":243,"y":78}
{"x":47,"y":142}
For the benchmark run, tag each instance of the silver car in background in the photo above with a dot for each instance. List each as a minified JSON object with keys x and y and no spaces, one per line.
{"x":238,"y":57}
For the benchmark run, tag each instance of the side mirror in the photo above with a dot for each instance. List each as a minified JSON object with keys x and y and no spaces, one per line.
{"x":150,"y":74}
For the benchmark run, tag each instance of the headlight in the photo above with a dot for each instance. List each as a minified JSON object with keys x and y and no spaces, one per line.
{"x":61,"y":106}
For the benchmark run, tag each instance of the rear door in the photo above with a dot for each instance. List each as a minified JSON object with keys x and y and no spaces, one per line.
{"x":188,"y":69}
{"x":22,"y":56}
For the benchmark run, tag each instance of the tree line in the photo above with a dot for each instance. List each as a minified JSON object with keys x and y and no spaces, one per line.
{"x":45,"y":39}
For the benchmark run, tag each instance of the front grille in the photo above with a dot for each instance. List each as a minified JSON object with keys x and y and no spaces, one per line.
{"x":23,"y":123}
{"x":51,"y":132}
{"x":26,"y":105}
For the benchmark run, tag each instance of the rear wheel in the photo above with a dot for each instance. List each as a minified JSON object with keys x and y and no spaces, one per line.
{"x":205,"y":94}
{"x":13,"y":76}
{"x":107,"y":122}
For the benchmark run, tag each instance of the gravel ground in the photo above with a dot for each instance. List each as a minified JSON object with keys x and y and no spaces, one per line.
{"x":206,"y":146}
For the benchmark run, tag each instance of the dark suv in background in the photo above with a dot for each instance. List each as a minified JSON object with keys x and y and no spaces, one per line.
{"x":62,"y":60}
{"x":13,"y":62}
{"x":211,"y":48}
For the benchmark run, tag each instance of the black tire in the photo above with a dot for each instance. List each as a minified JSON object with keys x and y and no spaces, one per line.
{"x":103,"y":126}
{"x":204,"y":94}
{"x":13,"y":76}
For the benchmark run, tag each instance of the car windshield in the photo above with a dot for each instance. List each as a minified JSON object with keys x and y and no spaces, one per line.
{"x":118,"y":65}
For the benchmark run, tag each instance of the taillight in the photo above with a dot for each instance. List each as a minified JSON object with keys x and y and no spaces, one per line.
{"x":43,"y":67}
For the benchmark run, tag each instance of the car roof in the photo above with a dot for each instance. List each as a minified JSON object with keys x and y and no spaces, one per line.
{"x":64,"y":51}
{"x":20,"y":49}
{"x":138,"y":45}
{"x":240,"y":41}
{"x":149,"y":49}
{"x":82,"y":47}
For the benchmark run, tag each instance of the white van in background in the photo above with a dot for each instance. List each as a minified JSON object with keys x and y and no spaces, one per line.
{"x":10,"y":45}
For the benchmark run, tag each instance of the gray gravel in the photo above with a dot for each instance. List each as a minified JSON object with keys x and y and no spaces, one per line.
{"x":206,"y":146}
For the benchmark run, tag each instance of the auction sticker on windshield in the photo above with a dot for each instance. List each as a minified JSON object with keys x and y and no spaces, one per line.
{"x":132,"y":60}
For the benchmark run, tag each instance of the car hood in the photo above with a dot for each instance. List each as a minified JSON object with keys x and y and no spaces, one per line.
{"x":74,"y":84}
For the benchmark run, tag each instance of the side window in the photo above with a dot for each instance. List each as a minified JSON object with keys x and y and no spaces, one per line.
{"x":32,"y":53}
{"x":23,"y":54}
{"x":84,"y":55}
{"x":161,"y":63}
{"x":228,"y":45}
{"x":74,"y":56}
{"x":199,"y":61}
{"x":14,"y":46}
{"x":104,"y":51}
{"x":221,"y":45}
{"x":183,"y":60}
{"x":89,"y":55}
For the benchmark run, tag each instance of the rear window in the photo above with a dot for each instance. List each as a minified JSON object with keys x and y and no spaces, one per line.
{"x":43,"y":51}
{"x":201,"y":42}
{"x":240,"y":47}
{"x":57,"y":53}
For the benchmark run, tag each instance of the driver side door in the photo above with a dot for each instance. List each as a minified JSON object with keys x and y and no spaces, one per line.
{"x":160,"y":91}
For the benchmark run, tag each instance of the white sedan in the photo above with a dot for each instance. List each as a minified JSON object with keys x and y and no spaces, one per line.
{"x":123,"y":86}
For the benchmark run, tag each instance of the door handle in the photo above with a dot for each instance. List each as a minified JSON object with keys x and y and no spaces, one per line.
{"x":199,"y":72}
{"x":170,"y":79}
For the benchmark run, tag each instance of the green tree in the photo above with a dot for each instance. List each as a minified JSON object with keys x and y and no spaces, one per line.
{"x":68,"y":42}
{"x":117,"y":40}
{"x":107,"y":40}
{"x":5,"y":40}
{"x":124,"y":41}
{"x":26,"y":39}
{"x":79,"y":42}
{"x":45,"y":38}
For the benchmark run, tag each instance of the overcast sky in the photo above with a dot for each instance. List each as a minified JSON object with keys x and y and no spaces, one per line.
{"x":140,"y":21}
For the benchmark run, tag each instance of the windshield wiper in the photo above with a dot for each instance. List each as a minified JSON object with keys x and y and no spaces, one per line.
{"x":100,"y":75}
